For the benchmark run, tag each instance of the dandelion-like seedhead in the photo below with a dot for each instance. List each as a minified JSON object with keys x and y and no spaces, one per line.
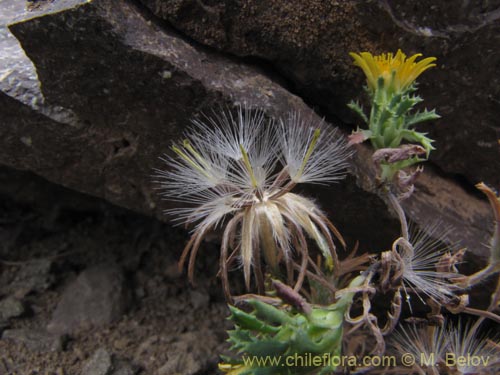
{"x":428,"y":342}
{"x":300,"y":138}
{"x":442,"y":349}
{"x":239,"y":169}
{"x":421,"y":256}
{"x":465,"y":342}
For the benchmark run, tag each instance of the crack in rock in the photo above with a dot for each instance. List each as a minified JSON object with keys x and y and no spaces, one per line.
{"x":478,"y":22}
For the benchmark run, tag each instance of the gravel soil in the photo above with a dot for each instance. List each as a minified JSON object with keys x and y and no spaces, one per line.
{"x":169,"y":326}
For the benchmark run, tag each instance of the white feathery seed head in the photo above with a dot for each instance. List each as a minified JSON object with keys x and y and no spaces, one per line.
{"x":428,"y":342}
{"x":421,"y":256}
{"x":441,"y":347}
{"x":237,"y":170}
{"x":465,"y":342}
{"x":312,"y":152}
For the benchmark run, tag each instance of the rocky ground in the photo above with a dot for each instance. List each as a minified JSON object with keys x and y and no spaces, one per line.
{"x":93,"y":289}
{"x":88,"y":288}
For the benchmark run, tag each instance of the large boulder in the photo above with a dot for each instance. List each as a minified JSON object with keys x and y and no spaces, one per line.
{"x":308,"y":43}
{"x":126,"y":85}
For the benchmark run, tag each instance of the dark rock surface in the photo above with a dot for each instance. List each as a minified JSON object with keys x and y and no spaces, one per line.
{"x":124,"y":368}
{"x":99,"y":364}
{"x":18,"y":76}
{"x":200,"y":299}
{"x":17,"y":73}
{"x":36,"y":340}
{"x":308,"y":43}
{"x":96,"y":298}
{"x":103,"y":362}
{"x":10,"y":307}
{"x":34,"y":276}
{"x":133,"y":85}
{"x":186,"y":354}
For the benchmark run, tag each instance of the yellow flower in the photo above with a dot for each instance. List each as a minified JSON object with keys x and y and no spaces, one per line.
{"x":230,"y":369}
{"x":385,"y":65}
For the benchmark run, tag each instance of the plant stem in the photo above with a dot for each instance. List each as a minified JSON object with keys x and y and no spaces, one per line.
{"x":396,"y":205}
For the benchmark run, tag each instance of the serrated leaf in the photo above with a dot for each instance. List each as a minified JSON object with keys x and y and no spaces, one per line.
{"x":414,"y":136}
{"x":268,"y":312}
{"x":404,"y":106}
{"x":239,"y":338}
{"x":385,"y":116}
{"x":250,"y":322}
{"x":421,"y":117}
{"x":359,"y":110}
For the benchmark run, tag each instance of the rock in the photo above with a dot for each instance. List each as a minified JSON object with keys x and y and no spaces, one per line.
{"x":27,"y":189}
{"x":117,"y":161}
{"x":17,"y":73}
{"x":36,"y":340}
{"x":3,"y":326}
{"x":103,"y":363}
{"x":181,"y":363}
{"x":308,"y":43}
{"x":124,"y":368}
{"x":32,"y":276}
{"x":140,"y":292}
{"x":134,"y":86}
{"x":199,"y":299}
{"x":121,"y":343}
{"x":18,"y":77}
{"x":187,"y":355}
{"x":145,"y":348}
{"x":11,"y":307}
{"x":125,"y":371}
{"x":96,"y":298}
{"x":172,"y":271}
{"x":99,"y":364}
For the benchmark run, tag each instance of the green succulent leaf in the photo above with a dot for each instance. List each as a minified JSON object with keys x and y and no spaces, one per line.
{"x":269,"y":312}
{"x":266,"y":347}
{"x":421,"y":117}
{"x":359,"y":110}
{"x":414,"y":136}
{"x":250,"y":322}
{"x":405,"y":105}
{"x":296,"y":334}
